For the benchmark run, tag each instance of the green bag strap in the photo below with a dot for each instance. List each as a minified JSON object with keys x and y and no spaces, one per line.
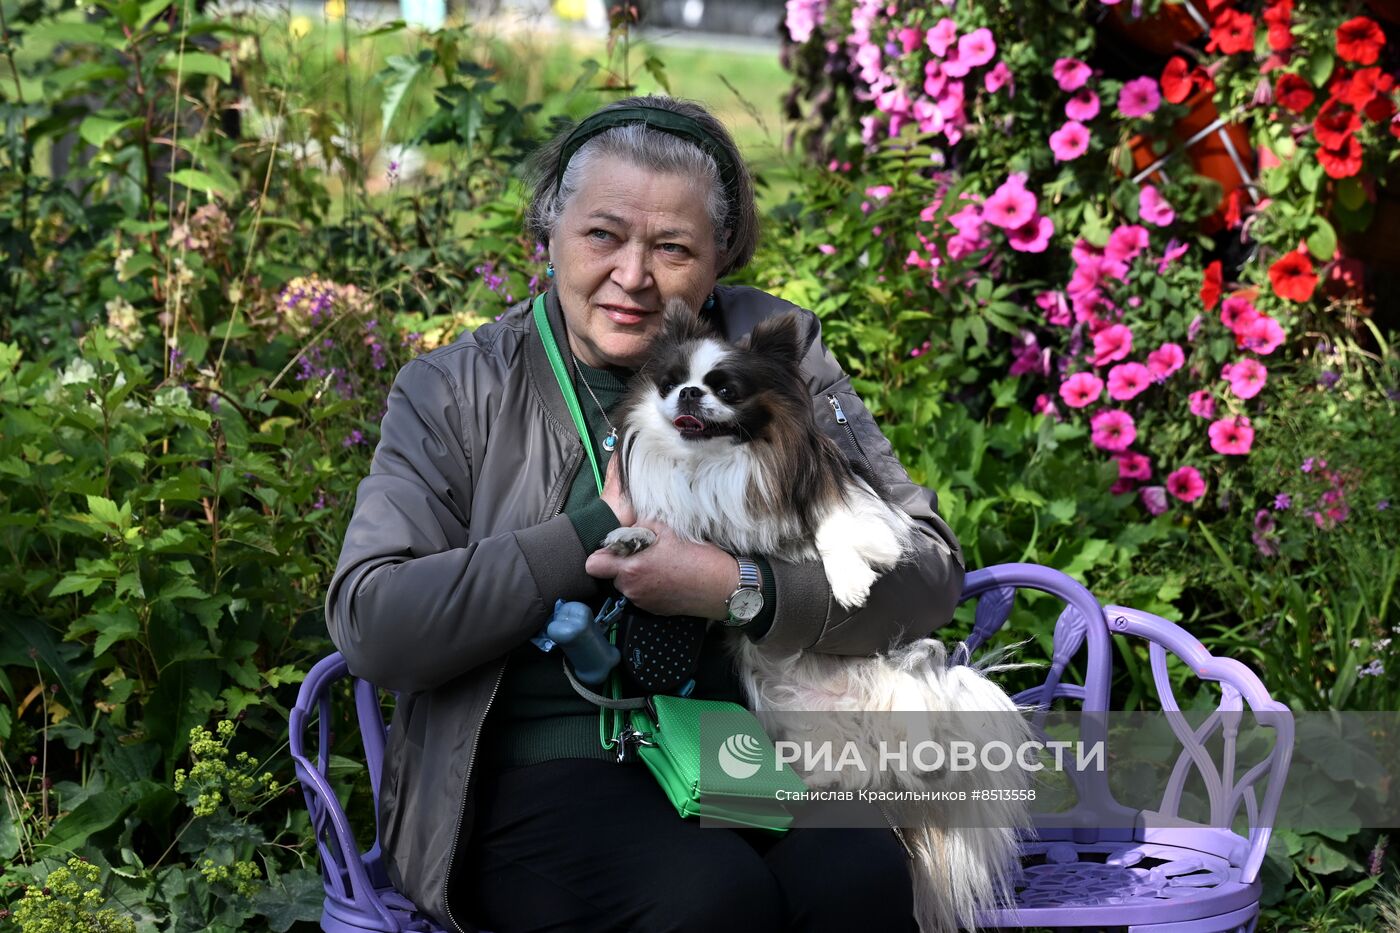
{"x":610,"y":721}
{"x":566,"y":385}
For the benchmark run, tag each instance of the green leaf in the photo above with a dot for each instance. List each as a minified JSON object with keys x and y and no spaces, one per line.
{"x":1320,"y":66}
{"x":292,"y":897}
{"x":657,"y":69}
{"x":76,"y":33}
{"x":106,"y":511}
{"x":398,"y":76}
{"x":120,"y":627}
{"x":198,"y":63}
{"x":97,"y":130}
{"x":204,"y":182}
{"x":1322,"y":242}
{"x":76,"y":583}
{"x":150,"y":10}
{"x":93,"y":815}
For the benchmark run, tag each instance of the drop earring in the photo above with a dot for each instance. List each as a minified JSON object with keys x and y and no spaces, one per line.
{"x":549,"y":269}
{"x":709,"y":303}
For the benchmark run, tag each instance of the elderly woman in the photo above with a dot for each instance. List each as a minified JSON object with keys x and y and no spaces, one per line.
{"x":500,"y":806}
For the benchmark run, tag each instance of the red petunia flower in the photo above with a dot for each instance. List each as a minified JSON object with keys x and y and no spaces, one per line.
{"x":1293,"y":277}
{"x":1279,"y":18}
{"x":1335,"y":124}
{"x":1293,"y":92}
{"x":1233,"y":32}
{"x":1211,"y":285}
{"x":1360,"y":41}
{"x":1234,"y":208}
{"x":1176,"y":80}
{"x":1381,"y":109}
{"x":1343,"y":161}
{"x":1363,"y":87}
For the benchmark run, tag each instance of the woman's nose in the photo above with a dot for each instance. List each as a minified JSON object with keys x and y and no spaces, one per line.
{"x":633,"y":271}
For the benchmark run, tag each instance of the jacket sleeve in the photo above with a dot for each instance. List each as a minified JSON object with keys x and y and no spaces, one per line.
{"x":909,"y":601}
{"x":413,"y":601}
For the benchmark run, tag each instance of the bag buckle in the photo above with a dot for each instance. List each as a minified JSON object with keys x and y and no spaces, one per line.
{"x":628,"y":741}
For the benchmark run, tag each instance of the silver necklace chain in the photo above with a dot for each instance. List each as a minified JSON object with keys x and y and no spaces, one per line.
{"x":609,"y":442}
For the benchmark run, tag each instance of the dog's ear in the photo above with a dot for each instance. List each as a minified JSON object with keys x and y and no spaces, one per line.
{"x":777,"y":338}
{"x":682,"y":324}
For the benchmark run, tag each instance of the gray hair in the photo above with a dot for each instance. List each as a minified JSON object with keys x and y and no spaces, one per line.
{"x":735,"y":225}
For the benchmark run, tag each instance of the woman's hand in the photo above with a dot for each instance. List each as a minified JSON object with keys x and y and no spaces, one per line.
{"x":615,"y":498}
{"x":672,"y":577}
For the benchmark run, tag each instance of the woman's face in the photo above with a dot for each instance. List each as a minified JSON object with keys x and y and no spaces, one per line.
{"x":629,"y":240}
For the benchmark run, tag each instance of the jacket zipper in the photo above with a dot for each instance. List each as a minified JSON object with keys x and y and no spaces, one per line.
{"x":842,"y":420}
{"x":557,"y":507}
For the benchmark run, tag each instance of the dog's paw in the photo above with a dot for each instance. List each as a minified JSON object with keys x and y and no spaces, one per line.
{"x":625,"y":542}
{"x":850,"y":579}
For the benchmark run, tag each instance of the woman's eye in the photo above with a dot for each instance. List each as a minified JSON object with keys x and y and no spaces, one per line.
{"x":599,"y":234}
{"x":674,"y":248}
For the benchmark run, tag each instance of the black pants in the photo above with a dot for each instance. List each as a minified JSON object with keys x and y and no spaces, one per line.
{"x":577,"y":845}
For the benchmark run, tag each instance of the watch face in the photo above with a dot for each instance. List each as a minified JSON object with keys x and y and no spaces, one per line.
{"x":745,"y":604}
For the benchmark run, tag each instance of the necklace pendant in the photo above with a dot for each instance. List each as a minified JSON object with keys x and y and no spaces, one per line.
{"x":610,"y":442}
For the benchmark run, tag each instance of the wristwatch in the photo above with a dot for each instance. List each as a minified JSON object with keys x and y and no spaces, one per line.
{"x":747,"y":599}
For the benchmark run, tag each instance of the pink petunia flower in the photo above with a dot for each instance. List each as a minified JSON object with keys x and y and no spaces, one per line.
{"x":977,"y":48}
{"x":1165,"y":360}
{"x":1231,"y":436}
{"x":941,"y":36}
{"x":910,"y":38}
{"x":1081,"y":389}
{"x":1264,"y":335}
{"x":1237,"y":312}
{"x":1186,"y":484}
{"x":1011,"y":205}
{"x":1139,"y":97}
{"x":1125,"y":242}
{"x":826,"y":248}
{"x":1153,"y":208}
{"x":1033,"y":236}
{"x":1133,"y":465}
{"x":1070,"y":141}
{"x":1055,"y":307}
{"x":1112,"y":430}
{"x":1154,"y":499}
{"x":1128,"y":380}
{"x":1247,"y":377}
{"x":1113,"y":343}
{"x":1045,"y":405}
{"x":1173,"y":252}
{"x":998,"y":78}
{"x":1083,"y":106}
{"x":1070,"y":73}
{"x":1202,"y":404}
{"x":1027,"y":356}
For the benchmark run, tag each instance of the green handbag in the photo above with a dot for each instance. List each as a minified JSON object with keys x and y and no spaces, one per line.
{"x":739,"y":781}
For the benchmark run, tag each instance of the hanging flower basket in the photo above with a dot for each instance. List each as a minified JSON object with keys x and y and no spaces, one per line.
{"x":1215,"y":149}
{"x":1161,"y":33}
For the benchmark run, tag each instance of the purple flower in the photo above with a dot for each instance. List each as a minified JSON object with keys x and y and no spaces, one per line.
{"x":1282,"y":502}
{"x":1264,"y":521}
{"x":1382,"y":505}
{"x":353,"y":439}
{"x":1328,"y":379}
{"x":1154,"y":498}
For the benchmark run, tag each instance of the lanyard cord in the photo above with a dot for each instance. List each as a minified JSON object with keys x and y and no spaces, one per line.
{"x":609,"y":721}
{"x":561,"y":375}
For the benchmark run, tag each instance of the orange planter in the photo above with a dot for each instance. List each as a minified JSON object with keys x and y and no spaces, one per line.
{"x":1215,"y":149}
{"x":1161,"y":32}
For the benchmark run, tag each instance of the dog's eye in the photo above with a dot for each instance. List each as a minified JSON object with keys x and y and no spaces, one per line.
{"x":666,"y":388}
{"x":726,"y":394}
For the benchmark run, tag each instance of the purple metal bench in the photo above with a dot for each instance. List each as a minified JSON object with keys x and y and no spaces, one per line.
{"x":1154,"y":873}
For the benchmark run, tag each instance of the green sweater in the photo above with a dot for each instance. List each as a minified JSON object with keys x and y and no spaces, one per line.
{"x":536,"y":715}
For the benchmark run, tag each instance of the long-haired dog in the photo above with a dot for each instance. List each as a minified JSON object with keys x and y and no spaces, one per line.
{"x":720,"y":442}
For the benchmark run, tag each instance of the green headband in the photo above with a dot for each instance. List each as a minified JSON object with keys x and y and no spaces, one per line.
{"x":667,"y":121}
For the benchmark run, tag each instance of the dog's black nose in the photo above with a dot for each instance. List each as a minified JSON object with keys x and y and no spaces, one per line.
{"x":691,"y":392}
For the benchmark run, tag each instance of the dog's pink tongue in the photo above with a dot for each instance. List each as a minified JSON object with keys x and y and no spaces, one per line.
{"x":688,"y":424}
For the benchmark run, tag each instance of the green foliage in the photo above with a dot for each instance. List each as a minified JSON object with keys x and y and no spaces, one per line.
{"x":70,"y":901}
